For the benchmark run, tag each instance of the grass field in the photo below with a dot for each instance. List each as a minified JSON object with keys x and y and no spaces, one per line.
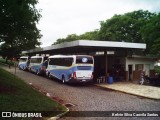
{"x":16,"y":95}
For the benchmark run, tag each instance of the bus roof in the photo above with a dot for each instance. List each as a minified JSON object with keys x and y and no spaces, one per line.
{"x":24,"y":57}
{"x":37,"y":56}
{"x":65,"y":56}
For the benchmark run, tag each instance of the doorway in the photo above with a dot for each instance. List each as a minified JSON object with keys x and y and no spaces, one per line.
{"x":99,"y":67}
{"x":130,"y":72}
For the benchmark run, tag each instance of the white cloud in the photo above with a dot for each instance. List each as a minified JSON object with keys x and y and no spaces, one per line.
{"x":63,"y":17}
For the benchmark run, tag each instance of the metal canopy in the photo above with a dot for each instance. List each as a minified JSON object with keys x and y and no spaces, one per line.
{"x":85,"y":46}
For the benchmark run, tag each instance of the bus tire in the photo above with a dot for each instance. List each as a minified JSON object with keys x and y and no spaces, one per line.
{"x":29,"y":69}
{"x":37,"y":72}
{"x":23,"y":68}
{"x":49,"y":75}
{"x":63,"y":79}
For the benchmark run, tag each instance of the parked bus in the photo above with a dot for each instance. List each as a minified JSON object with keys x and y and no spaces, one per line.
{"x":23,"y":62}
{"x":72,"y":68}
{"x":38,"y":64}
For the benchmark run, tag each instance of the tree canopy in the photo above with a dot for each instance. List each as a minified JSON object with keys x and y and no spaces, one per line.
{"x":18,"y":30}
{"x":151,"y":35}
{"x":93,"y":35}
{"x":137,"y":27}
{"x":125,"y":27}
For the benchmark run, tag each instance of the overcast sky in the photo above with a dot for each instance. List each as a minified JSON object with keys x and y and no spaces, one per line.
{"x":63,"y":17}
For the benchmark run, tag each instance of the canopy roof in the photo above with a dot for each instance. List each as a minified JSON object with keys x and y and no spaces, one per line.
{"x":85,"y":46}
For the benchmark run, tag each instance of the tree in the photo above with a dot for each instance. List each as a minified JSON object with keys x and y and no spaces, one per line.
{"x":71,"y":37}
{"x":93,"y":35}
{"x":137,"y":27}
{"x":18,"y":31}
{"x":125,"y":27}
{"x":151,"y":35}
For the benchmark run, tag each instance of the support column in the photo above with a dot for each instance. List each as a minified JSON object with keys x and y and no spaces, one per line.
{"x":106,"y":63}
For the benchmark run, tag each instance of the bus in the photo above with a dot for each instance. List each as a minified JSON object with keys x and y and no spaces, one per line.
{"x":71,"y":68}
{"x":23,"y":62}
{"x":38,"y":64}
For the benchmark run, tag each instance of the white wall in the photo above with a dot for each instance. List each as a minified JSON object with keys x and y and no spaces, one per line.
{"x":157,"y":63}
{"x":144,"y":61}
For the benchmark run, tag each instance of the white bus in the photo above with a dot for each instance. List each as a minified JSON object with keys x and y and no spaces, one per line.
{"x":23,"y":62}
{"x":38,"y":64}
{"x":71,"y":68}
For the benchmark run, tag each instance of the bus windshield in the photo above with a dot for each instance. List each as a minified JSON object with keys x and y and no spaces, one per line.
{"x":84,"y":60}
{"x":36,"y":60}
{"x":22,"y":59}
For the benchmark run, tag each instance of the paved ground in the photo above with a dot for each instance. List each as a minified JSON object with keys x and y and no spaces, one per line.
{"x":134,"y":89}
{"x":90,"y":97}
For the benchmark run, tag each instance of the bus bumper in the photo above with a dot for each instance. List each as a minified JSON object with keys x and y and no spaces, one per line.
{"x":80,"y":80}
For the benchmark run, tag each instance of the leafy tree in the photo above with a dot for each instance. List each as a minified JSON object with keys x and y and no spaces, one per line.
{"x":151,"y":35}
{"x":18,"y":31}
{"x":115,"y":29}
{"x":137,"y":27}
{"x":125,"y":27}
{"x":7,"y":51}
{"x":69,"y":38}
{"x":93,"y":35}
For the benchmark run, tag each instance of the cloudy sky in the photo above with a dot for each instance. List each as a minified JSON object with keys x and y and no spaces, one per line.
{"x":63,"y":17}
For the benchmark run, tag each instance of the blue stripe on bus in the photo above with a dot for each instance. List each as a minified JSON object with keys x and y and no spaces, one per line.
{"x":34,"y":68}
{"x":22,"y":65}
{"x":66,"y":72}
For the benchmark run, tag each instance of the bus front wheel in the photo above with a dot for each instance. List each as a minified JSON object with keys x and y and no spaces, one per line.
{"x":23,"y":68}
{"x":49,"y":75}
{"x":37,"y":72}
{"x":63,"y":79}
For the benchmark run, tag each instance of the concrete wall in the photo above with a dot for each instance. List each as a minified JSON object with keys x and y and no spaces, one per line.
{"x":137,"y":64}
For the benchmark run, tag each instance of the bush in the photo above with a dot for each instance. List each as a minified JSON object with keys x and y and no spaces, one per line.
{"x":9,"y":62}
{"x":157,"y":69}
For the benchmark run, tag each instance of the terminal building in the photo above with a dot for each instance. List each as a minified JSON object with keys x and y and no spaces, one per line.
{"x":117,"y":59}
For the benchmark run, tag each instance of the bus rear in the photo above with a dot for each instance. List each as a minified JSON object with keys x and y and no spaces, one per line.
{"x":84,"y":67}
{"x":23,"y":62}
{"x":37,"y":64}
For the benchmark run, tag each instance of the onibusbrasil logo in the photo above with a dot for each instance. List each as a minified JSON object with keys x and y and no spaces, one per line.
{"x":20,"y":114}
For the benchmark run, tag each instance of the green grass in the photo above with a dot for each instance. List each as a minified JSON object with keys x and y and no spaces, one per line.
{"x":16,"y":95}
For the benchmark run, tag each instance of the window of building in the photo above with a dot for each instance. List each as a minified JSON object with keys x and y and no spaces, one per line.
{"x":139,"y":67}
